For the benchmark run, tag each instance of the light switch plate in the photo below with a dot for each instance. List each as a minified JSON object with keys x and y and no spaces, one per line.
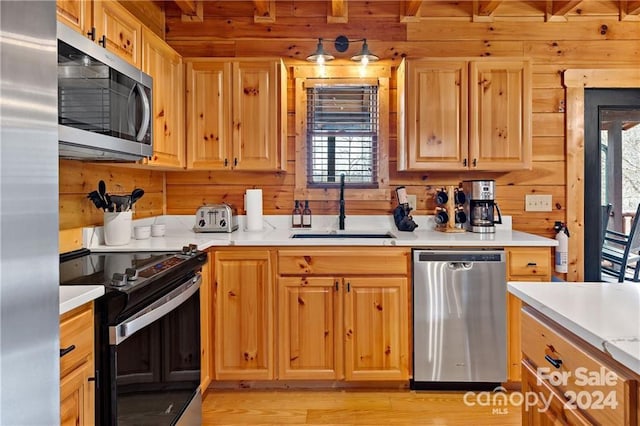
{"x":413,"y":201}
{"x":538,"y":202}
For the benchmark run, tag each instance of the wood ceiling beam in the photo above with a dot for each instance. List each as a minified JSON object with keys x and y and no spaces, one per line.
{"x":629,"y":10}
{"x":410,"y":10}
{"x":264,"y":11}
{"x":483,"y":10}
{"x":188,"y":7}
{"x":557,"y":10}
{"x":338,"y":12}
{"x":633,"y":8}
{"x":192,"y":10}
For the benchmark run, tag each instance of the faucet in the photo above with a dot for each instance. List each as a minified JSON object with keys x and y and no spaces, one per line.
{"x":342,"y":215}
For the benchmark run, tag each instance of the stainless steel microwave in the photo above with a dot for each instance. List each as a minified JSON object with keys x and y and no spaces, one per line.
{"x":104,"y":103}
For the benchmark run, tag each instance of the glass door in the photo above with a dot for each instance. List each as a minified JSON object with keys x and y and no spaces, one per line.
{"x":612,"y":166}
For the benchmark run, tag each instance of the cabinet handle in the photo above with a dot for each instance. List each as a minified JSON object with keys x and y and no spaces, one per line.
{"x":532,"y":264}
{"x":475,"y":162}
{"x":348,"y":287}
{"x":337,"y":286}
{"x":103,"y":41}
{"x":65,"y":351}
{"x":556,"y":362}
{"x":235,"y":161}
{"x":92,"y":34}
{"x":226,"y":162}
{"x":464,"y":162}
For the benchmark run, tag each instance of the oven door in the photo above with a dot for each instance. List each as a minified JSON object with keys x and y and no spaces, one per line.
{"x":155,"y":363}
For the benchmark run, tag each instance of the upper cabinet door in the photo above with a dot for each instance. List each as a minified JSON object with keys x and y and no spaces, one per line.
{"x":501,"y":115}
{"x":208,"y":115}
{"x":122,"y":31}
{"x":256,"y":106}
{"x":75,"y":14}
{"x":437,"y":116}
{"x":164,"y":64}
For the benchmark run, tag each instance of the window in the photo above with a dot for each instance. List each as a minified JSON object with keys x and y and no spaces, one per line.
{"x":342,"y":134}
{"x":342,"y":126}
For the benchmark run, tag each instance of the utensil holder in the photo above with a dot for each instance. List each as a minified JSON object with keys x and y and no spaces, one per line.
{"x":117,"y":228}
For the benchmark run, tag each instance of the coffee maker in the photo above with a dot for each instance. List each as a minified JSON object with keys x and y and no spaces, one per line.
{"x":479,"y":205}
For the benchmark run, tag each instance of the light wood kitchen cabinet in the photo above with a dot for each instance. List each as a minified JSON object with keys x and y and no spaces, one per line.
{"x":523,"y":264}
{"x":77,"y":372}
{"x":206,"y":325}
{"x":121,"y":30}
{"x":243,"y":315}
{"x":310,"y":343}
{"x":588,"y":387}
{"x":76,"y":14}
{"x":164,"y":64}
{"x":364,"y":326}
{"x":464,"y":115}
{"x":236,"y":114}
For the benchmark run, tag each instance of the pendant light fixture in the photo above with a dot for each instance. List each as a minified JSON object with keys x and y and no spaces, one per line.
{"x":320,"y":56}
{"x":341,"y":44}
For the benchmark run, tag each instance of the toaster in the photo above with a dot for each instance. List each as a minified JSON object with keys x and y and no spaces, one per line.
{"x":216,"y":218}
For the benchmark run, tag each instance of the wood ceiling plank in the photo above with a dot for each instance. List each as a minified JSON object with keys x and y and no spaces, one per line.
{"x":410,"y":10}
{"x":338,"y":12}
{"x":265,"y":11}
{"x":483,"y":10}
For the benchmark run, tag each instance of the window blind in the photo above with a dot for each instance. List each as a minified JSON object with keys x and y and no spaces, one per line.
{"x":342,"y":135}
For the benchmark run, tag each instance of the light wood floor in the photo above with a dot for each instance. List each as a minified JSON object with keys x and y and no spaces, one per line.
{"x":349,"y":407}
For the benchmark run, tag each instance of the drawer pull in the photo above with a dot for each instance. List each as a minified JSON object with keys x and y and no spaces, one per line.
{"x":556,"y":362}
{"x":65,"y":351}
{"x":532,"y":264}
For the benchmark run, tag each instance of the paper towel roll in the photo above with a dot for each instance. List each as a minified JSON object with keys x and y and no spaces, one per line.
{"x":253,"y":206}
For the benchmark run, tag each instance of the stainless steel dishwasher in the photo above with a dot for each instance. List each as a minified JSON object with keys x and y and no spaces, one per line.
{"x":459,"y":318}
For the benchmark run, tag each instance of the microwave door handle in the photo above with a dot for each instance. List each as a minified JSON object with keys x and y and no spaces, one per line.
{"x":146,"y":113}
{"x":120,"y":332}
{"x":131,"y":112}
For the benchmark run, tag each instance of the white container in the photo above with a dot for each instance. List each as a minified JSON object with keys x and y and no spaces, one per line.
{"x":158,"y":229}
{"x":142,"y":232}
{"x":117,"y":228}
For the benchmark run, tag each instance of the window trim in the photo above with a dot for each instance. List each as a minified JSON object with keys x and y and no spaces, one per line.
{"x":305,"y":75}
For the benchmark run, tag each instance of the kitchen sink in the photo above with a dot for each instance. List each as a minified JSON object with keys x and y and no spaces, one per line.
{"x":341,"y":234}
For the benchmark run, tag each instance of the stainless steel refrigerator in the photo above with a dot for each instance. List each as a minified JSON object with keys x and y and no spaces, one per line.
{"x":29,"y":297}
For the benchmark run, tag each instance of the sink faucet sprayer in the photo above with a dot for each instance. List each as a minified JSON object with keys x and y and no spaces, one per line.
{"x":342,"y":215}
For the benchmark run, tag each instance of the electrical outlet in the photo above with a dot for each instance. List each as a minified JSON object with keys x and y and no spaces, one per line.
{"x":413,"y":201}
{"x":538,"y":203}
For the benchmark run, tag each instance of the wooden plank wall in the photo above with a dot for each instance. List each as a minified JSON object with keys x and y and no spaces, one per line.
{"x":78,"y":178}
{"x":553,"y":46}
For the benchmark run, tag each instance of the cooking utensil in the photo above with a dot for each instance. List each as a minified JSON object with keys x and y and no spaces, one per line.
{"x":95,"y":197}
{"x":121,"y":202}
{"x":136,"y":194}
{"x":102,"y":189}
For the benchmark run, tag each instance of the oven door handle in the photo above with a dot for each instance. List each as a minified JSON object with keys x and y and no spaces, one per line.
{"x":121,"y":332}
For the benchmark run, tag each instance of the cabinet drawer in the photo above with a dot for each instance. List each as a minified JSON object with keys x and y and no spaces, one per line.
{"x":385,"y":261}
{"x":583,"y":377}
{"x":76,"y":328}
{"x":529,"y":262}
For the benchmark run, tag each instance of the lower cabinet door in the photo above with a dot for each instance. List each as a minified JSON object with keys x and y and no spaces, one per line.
{"x":376,"y":328}
{"x":77,"y":397}
{"x":309,"y":324}
{"x":243,"y":315}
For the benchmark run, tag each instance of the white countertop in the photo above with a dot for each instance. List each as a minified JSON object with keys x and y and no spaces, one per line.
{"x":72,"y":296}
{"x":606,"y":315}
{"x":276,"y":232}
